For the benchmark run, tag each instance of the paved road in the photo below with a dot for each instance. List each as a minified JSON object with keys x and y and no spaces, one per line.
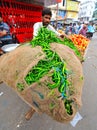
{"x":12,"y":108}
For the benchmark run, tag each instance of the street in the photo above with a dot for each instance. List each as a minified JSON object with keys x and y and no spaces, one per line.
{"x":13,"y":109}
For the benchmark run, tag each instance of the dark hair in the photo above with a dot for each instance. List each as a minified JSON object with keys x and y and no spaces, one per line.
{"x":0,"y":14}
{"x":46,"y":11}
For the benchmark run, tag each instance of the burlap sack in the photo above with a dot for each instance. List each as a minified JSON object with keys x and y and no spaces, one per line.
{"x":15,"y":65}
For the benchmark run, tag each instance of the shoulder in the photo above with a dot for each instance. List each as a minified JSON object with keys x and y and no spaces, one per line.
{"x":38,"y":24}
{"x":50,"y":26}
{"x":5,"y":24}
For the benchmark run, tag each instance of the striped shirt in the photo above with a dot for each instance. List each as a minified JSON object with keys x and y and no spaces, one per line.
{"x":4,"y":26}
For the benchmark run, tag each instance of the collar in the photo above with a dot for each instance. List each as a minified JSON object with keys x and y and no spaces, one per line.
{"x":44,"y":26}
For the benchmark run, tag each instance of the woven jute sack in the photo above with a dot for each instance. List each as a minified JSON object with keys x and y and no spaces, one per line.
{"x":14,"y":67}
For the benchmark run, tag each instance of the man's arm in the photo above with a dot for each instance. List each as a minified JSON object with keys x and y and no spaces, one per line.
{"x":36,"y":28}
{"x":57,"y":33}
{"x":80,"y":32}
{"x":3,"y":33}
{"x":53,"y":30}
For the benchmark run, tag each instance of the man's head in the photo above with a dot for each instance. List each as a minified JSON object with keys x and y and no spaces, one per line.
{"x":1,"y":19}
{"x":46,"y":16}
{"x":84,"y":26}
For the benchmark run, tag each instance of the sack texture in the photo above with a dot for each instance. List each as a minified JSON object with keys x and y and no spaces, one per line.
{"x":15,"y":65}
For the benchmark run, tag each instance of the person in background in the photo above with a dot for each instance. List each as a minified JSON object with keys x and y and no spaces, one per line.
{"x":46,"y":17}
{"x":83,"y":30}
{"x":67,"y":29}
{"x":74,"y":29}
{"x":79,"y":26}
{"x":90,"y":30}
{"x":5,"y":36}
{"x":70,"y":29}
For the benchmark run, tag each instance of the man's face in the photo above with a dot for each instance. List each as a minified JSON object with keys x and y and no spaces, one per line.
{"x":46,"y":20}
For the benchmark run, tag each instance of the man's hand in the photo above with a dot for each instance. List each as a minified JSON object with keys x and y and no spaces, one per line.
{"x":0,"y":42}
{"x":64,"y":35}
{"x":3,"y":33}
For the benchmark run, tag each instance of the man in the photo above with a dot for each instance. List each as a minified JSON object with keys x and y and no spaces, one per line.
{"x":46,"y":17}
{"x":90,"y":30}
{"x":5,"y":37}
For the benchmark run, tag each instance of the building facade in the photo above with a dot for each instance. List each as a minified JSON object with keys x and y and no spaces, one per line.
{"x":95,"y":13}
{"x":86,"y":10}
{"x":66,"y":10}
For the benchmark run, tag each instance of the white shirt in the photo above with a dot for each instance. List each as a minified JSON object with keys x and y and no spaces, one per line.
{"x":38,"y":25}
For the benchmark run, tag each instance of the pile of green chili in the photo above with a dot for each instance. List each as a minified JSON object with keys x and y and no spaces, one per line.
{"x":51,"y":62}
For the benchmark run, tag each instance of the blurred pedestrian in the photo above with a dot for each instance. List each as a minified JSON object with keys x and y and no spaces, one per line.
{"x":90,"y":30}
{"x":83,"y":30}
{"x":5,"y":36}
{"x":74,"y":28}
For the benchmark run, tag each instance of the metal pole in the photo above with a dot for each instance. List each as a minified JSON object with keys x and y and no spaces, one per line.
{"x":66,"y":8}
{"x":57,"y":8}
